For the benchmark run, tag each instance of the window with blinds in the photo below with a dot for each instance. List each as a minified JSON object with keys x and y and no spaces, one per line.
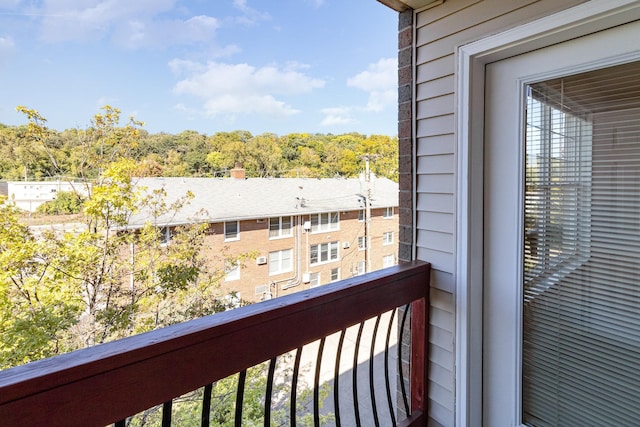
{"x":581,"y":307}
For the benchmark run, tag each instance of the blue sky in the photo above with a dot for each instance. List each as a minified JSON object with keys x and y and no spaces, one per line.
{"x":279,"y":66}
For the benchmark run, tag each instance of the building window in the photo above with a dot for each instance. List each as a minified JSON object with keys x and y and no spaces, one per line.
{"x":387,"y":213}
{"x":165,"y":235}
{"x":388,"y":261}
{"x":335,"y":274}
{"x":263,"y":292}
{"x":322,"y":222}
{"x":361,"y":215}
{"x":231,"y":231}
{"x":280,"y":261}
{"x":314,"y":280}
{"x":361,"y":268}
{"x":324,"y":252}
{"x":232,"y":272}
{"x":280,"y":227}
{"x":362,"y":243}
{"x":387,"y":238}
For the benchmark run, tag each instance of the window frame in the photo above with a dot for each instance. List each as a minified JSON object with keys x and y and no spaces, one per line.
{"x":314,"y":280}
{"x":236,"y":237}
{"x":388,"y":212}
{"x":232,"y":268}
{"x":385,"y":238}
{"x":279,"y":262}
{"x":363,"y":243}
{"x":165,"y":235}
{"x":327,"y":248}
{"x":334,"y":272}
{"x":280,"y":232}
{"x":385,"y":264}
{"x":332,"y":222}
{"x":361,"y":267}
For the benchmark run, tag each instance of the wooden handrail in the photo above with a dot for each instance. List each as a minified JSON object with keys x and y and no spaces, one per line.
{"x":108,"y":382}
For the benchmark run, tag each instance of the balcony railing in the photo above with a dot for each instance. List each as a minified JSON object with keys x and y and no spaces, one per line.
{"x":108,"y":383}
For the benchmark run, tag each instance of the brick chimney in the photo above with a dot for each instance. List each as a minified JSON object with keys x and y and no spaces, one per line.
{"x":238,"y":171}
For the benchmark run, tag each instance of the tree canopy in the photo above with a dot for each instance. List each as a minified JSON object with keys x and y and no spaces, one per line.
{"x":34,"y":151}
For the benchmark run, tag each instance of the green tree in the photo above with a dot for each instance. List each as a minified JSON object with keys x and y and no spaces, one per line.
{"x":263,"y":156}
{"x":66,"y":202}
{"x":38,"y":305}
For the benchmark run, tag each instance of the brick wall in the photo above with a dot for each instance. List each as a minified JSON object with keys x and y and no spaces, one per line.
{"x":254,"y":239}
{"x":405,"y":150}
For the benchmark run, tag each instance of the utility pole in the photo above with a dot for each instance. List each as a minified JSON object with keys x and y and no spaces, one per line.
{"x":367,"y":213}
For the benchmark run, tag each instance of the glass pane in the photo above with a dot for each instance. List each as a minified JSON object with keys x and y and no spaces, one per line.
{"x":286,"y":260}
{"x":274,"y":227}
{"x":286,"y":225}
{"x":581,"y":308}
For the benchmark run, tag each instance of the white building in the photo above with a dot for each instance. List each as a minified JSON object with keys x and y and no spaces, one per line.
{"x":28,"y":195}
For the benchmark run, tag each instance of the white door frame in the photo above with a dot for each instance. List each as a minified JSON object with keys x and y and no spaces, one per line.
{"x":471,"y":58}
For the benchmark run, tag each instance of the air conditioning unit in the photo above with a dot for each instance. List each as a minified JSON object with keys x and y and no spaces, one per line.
{"x":306,"y":277}
{"x":261,"y":260}
{"x":346,"y":245}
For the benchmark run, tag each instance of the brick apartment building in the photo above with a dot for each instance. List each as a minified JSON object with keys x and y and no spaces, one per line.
{"x":305,"y":232}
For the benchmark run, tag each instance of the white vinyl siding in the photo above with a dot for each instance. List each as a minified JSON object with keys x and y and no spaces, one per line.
{"x":439,"y":30}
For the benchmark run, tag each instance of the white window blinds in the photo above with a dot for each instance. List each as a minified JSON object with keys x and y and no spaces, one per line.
{"x":581,"y":308}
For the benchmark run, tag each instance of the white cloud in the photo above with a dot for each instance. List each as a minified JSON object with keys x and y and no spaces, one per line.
{"x":380,"y":80}
{"x":131,"y":24}
{"x":242,"y":88}
{"x":138,"y":34}
{"x":250,"y":16}
{"x":337,"y":116}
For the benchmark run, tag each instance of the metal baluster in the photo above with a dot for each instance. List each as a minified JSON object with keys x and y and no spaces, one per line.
{"x":402,"y":386}
{"x":386,"y":368}
{"x":374,"y":407}
{"x":355,"y":375}
{"x":166,"y":413}
{"x":294,"y":386}
{"x":336,"y":380}
{"x":206,"y":405}
{"x":316,"y":386}
{"x":242,"y":376}
{"x":269,"y":392}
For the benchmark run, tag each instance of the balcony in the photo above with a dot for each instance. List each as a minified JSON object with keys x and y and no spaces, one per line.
{"x":109,"y":383}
